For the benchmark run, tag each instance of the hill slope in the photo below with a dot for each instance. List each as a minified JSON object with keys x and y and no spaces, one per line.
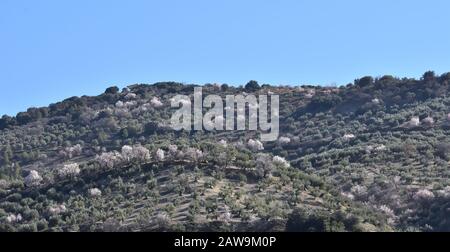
{"x":371,"y":156}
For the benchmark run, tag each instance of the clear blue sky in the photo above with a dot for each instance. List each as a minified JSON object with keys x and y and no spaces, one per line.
{"x":51,"y":50}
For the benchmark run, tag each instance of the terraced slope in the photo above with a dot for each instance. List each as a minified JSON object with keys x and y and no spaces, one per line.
{"x":369,"y":156}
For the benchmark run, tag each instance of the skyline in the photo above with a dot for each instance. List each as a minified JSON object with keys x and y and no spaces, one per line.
{"x":55,"y":50}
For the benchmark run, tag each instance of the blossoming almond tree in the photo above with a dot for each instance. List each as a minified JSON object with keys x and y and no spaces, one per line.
{"x":33,"y":179}
{"x":69,"y":171}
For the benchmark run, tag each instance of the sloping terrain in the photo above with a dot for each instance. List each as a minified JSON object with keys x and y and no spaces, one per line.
{"x":370,"y":156}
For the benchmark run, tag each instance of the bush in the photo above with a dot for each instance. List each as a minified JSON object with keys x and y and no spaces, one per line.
{"x":365,"y":81}
{"x":252,"y":86}
{"x":112,"y":90}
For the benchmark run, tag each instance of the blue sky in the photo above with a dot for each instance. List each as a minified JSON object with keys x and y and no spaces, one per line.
{"x":51,"y":50}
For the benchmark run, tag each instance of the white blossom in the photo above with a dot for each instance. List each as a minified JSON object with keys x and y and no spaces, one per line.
{"x":349,"y":196}
{"x":33,"y":179}
{"x":119,"y":104}
{"x":141,"y":154}
{"x":358,"y":190}
{"x":122,"y":113}
{"x":380,"y":148}
{"x":414,"y":122}
{"x":69,"y":170}
{"x":109,"y":159}
{"x":136,"y":153}
{"x":130,"y":96}
{"x":173,"y":150}
{"x":429,"y":121}
{"x":368,"y":149}
{"x":284,"y":140}
{"x":194,"y":154}
{"x":143,"y":108}
{"x":156,"y":102}
{"x":127,"y":153}
{"x":223,"y":143}
{"x":159,"y":156}
{"x":95,"y":192}
{"x":70,"y":152}
{"x":58,"y":209}
{"x":280,"y":161}
{"x":174,"y":153}
{"x":14,"y":218}
{"x":423,"y":194}
{"x":349,"y":136}
{"x":130,"y":104}
{"x":3,"y":184}
{"x":445,"y":192}
{"x":255,"y":145}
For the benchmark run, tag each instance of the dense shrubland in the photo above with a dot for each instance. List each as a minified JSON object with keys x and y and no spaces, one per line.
{"x":369,"y":156}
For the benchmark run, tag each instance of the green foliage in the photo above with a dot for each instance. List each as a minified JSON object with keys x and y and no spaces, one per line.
{"x":252,"y":86}
{"x":112,"y":90}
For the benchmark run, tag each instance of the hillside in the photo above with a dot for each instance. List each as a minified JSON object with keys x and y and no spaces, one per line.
{"x":369,"y":156}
